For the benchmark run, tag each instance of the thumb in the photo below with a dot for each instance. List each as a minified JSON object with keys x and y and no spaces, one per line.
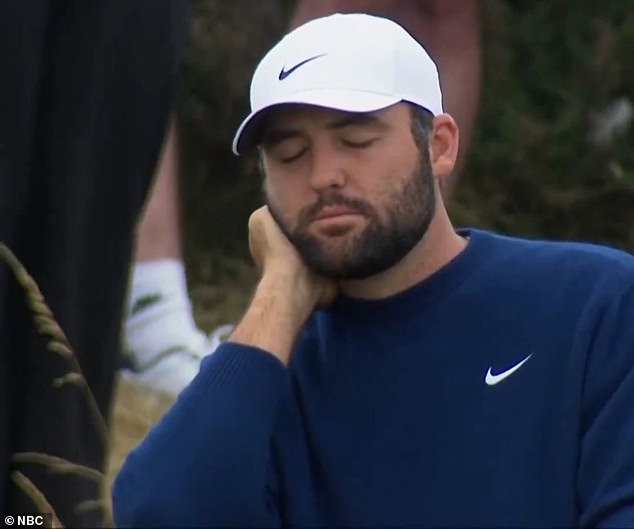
{"x":255,"y":240}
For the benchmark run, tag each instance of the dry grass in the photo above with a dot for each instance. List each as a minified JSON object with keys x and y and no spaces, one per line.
{"x":136,"y":409}
{"x":56,"y":343}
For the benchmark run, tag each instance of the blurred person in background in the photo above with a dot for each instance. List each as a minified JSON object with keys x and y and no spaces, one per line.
{"x":164,"y":346}
{"x":86,"y":94}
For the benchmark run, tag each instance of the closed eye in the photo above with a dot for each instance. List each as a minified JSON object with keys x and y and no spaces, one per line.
{"x":359,"y":144}
{"x":293,"y":157}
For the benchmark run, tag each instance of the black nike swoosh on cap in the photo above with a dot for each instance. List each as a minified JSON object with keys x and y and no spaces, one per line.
{"x":285,"y":73}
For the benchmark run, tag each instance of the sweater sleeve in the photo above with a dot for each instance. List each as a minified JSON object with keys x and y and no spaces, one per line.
{"x":208,"y":460}
{"x":606,"y":468}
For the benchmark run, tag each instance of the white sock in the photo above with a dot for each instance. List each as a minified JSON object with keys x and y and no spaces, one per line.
{"x":159,"y":313}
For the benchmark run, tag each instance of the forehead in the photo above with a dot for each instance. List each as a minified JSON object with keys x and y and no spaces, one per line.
{"x":297,"y":116}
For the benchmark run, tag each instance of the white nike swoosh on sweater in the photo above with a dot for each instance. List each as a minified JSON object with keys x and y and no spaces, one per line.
{"x":492,"y":380}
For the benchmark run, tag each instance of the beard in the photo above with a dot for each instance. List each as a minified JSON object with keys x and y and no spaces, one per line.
{"x":383,"y":242}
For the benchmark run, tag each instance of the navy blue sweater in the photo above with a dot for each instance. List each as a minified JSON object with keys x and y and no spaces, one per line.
{"x":498,"y":392}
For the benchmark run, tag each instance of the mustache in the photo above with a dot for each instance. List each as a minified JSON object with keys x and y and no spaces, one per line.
{"x":309,"y":213}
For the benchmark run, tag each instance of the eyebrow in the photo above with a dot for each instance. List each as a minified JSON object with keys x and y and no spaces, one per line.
{"x":356,"y":118}
{"x":274,"y":136}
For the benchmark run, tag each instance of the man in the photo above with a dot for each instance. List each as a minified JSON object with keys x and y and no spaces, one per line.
{"x":163,"y":344}
{"x":391,"y":371}
{"x":87,"y":90}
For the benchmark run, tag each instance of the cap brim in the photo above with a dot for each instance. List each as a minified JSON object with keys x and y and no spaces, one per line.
{"x":250,"y":131}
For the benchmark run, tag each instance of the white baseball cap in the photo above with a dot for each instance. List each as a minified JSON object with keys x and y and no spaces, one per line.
{"x":350,"y":62}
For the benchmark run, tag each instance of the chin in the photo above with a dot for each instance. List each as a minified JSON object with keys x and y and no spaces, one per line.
{"x":335,"y":248}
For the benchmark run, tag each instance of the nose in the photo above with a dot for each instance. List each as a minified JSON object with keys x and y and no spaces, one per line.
{"x":326,"y":168}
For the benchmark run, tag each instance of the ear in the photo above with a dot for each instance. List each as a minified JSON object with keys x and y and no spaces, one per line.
{"x":443,"y":145}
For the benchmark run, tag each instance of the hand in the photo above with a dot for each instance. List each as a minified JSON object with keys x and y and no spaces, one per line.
{"x":286,"y":295}
{"x":277,"y":258}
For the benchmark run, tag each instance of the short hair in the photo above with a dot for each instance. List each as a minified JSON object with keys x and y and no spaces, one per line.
{"x":421,"y":125}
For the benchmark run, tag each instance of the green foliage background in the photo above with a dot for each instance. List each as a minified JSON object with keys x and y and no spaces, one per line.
{"x":551,"y":67}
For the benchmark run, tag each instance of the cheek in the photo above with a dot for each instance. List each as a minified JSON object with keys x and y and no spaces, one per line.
{"x":389,"y":187}
{"x":283,"y":200}
{"x":382,"y":173}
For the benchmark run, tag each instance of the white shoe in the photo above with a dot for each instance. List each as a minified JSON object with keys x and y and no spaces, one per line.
{"x":172,"y":369}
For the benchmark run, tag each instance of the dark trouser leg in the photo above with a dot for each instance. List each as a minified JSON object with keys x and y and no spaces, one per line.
{"x":24,"y":27}
{"x":104,"y":99}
